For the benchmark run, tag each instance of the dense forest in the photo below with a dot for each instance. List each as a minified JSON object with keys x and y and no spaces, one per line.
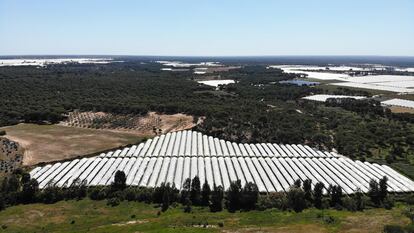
{"x":254,"y":109}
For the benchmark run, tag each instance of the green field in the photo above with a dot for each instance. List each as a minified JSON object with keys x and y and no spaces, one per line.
{"x":96,"y":216}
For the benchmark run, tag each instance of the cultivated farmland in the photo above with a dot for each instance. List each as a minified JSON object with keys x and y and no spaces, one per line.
{"x":174,"y":157}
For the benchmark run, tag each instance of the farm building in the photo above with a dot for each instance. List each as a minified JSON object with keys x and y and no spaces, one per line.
{"x":174,"y":157}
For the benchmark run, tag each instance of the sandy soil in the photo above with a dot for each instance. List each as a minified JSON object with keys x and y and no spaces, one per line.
{"x":397,"y":109}
{"x":45,"y":143}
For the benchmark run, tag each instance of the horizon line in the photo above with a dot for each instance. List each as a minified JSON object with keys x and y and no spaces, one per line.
{"x":210,"y":56}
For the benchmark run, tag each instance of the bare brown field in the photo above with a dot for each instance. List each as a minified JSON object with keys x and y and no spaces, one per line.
{"x":396,"y":109}
{"x":46,"y":143}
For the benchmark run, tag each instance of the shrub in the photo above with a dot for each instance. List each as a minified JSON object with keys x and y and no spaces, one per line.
{"x":349,"y":204}
{"x":388,"y":203}
{"x":77,"y":190}
{"x":250,"y":195}
{"x":272,"y":200}
{"x":145,"y":194}
{"x":296,"y":199}
{"x":2,"y":202}
{"x":393,"y":229}
{"x":329,"y":220}
{"x":158,"y":193}
{"x":51,"y":194}
{"x":409,"y":199}
{"x":2,"y":132}
{"x":29,"y":191}
{"x":114,"y":201}
{"x":130,"y":194}
{"x":97,"y":193}
{"x":409,"y":213}
{"x":187,"y":205}
{"x":360,"y":200}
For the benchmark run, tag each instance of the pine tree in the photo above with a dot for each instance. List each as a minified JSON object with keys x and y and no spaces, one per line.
{"x":195,"y":191}
{"x":382,"y":192}
{"x":336,"y":195}
{"x":359,"y":200}
{"x":165,"y":199}
{"x":205,"y":194}
{"x":119,"y":181}
{"x":185,"y":192}
{"x":318,"y":194}
{"x":307,"y":188}
{"x":234,"y":196}
{"x":373,"y":192}
{"x":250,"y":196}
{"x":217,"y":199}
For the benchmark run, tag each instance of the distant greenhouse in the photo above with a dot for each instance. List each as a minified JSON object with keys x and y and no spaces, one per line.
{"x":174,"y":157}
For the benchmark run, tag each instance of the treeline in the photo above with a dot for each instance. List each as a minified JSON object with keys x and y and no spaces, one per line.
{"x":19,"y":188}
{"x":369,"y":107}
{"x":255,"y":109}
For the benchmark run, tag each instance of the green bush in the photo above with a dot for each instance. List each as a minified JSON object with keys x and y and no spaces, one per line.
{"x":130,"y":194}
{"x":388,"y":203}
{"x":393,"y":229}
{"x":296,"y":199}
{"x":349,"y":204}
{"x":97,"y":193}
{"x":409,"y":199}
{"x":272,"y":200}
{"x":113,"y":201}
{"x":329,"y":220}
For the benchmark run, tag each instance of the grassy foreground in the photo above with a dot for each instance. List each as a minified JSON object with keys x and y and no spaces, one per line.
{"x":96,"y":216}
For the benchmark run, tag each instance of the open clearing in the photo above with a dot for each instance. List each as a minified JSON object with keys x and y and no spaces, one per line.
{"x":139,"y":125}
{"x":45,"y":143}
{"x":96,"y":216}
{"x":397,"y":109}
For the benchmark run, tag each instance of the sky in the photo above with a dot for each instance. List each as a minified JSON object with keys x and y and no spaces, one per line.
{"x":207,"y":28}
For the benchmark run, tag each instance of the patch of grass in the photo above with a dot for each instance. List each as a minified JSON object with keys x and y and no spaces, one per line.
{"x":406,"y":169}
{"x":96,"y":216}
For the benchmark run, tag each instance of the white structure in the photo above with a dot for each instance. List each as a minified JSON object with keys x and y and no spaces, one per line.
{"x":215,"y":83}
{"x":174,"y":157}
{"x":49,"y":61}
{"x":391,"y":83}
{"x":399,"y":103}
{"x":323,"y":98}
